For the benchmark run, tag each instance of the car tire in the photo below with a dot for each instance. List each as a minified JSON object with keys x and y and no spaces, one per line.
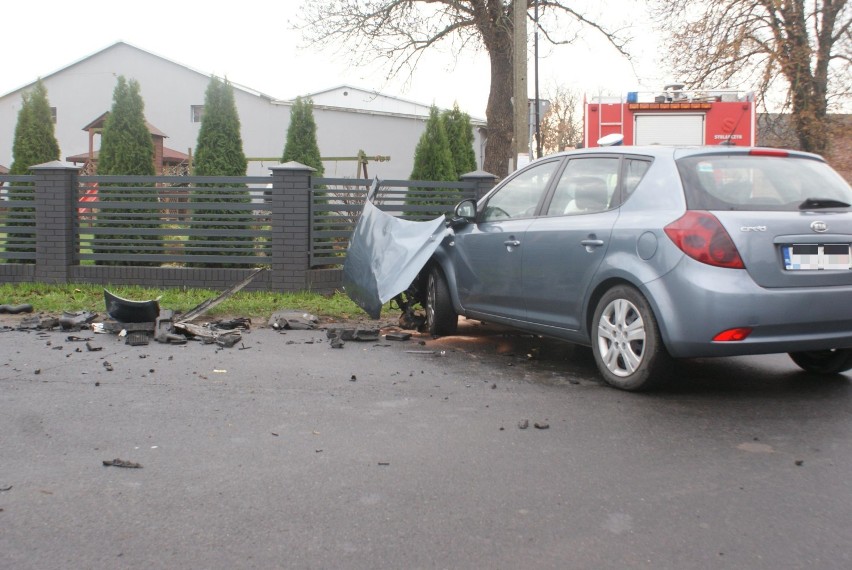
{"x":626,"y":342}
{"x":441,"y":318}
{"x":824,"y":361}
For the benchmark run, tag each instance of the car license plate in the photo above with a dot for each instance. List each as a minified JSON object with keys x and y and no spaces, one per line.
{"x":817,"y":257}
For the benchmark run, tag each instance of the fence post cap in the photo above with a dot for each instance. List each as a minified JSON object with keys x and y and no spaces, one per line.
{"x":56,"y":165}
{"x":292,"y":165}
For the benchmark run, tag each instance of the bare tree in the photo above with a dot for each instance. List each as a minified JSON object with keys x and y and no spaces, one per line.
{"x":800,"y":48}
{"x":399,"y":31}
{"x":562,"y":124}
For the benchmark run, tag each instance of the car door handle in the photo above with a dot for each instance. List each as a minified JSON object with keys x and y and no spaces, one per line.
{"x":592,"y":242}
{"x":512,"y":243}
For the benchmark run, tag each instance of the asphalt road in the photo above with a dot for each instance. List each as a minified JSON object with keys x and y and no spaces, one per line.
{"x":283,"y":452}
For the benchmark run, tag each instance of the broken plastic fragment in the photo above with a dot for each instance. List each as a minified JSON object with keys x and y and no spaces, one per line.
{"x":122,"y":463}
{"x":15,"y":309}
{"x":129,"y":311}
{"x":293,"y":320}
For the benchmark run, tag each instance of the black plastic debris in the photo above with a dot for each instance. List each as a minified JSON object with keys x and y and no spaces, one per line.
{"x":137,"y":338}
{"x":116,"y":327}
{"x":37,"y":322}
{"x":129,"y":311}
{"x":140,"y":321}
{"x":228,"y":340}
{"x":338,"y":336}
{"x":164,"y":328}
{"x":15,"y":309}
{"x":76,"y":321}
{"x":243,"y":323}
{"x":355,"y":334}
{"x":398,"y":336}
{"x":122,"y":463}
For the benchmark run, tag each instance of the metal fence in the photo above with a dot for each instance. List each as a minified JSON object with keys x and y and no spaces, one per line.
{"x":59,"y":226}
{"x":17,"y":219}
{"x":178,"y":220}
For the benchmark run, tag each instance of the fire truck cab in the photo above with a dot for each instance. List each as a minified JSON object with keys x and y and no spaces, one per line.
{"x":673,"y":117}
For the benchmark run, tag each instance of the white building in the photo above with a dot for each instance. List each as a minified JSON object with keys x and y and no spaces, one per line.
{"x":348,"y":119}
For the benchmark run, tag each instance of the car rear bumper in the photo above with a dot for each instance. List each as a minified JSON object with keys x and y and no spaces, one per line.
{"x":695,"y":302}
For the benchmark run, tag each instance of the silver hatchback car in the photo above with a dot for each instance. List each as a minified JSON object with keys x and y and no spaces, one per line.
{"x":653,"y":253}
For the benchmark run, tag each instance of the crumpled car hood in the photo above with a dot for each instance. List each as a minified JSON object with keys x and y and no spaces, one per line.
{"x":385,"y":255}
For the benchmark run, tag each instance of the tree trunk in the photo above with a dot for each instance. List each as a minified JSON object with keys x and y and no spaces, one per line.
{"x":807,"y":90}
{"x":809,"y":120}
{"x":498,"y":148}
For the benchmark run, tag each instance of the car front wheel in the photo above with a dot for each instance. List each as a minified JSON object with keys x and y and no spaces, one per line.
{"x":626,"y":341}
{"x":441,"y":318}
{"x":824,"y":361}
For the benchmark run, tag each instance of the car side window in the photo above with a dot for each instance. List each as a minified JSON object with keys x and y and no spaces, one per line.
{"x":587,"y":186}
{"x":519,"y":197}
{"x":634,"y":170}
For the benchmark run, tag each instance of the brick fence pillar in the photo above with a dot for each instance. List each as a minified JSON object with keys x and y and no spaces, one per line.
{"x":56,"y":220}
{"x":290,"y":207}
{"x":484,"y":181}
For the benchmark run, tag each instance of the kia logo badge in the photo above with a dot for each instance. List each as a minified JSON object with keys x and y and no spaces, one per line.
{"x":819,"y":226}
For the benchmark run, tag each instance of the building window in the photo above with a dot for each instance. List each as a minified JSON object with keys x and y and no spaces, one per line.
{"x":197,"y":111}
{"x":53,"y":114}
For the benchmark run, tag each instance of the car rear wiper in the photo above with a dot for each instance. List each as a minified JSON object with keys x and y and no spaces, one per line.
{"x":822,"y":203}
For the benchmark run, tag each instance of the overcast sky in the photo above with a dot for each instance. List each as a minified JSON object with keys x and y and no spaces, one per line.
{"x":251,"y":43}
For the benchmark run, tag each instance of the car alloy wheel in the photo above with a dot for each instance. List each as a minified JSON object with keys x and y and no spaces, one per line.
{"x":626,"y":341}
{"x":621,"y":337}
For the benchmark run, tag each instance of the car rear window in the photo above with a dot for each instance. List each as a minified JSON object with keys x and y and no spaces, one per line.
{"x":757,"y":182}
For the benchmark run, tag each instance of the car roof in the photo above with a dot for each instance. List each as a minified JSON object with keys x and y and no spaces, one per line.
{"x":677,"y":152}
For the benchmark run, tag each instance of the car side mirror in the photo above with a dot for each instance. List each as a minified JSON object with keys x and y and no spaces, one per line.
{"x":465,"y":213}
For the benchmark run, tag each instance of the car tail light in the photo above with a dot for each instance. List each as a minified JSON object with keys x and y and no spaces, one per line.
{"x":733,"y":335}
{"x":701,"y":236}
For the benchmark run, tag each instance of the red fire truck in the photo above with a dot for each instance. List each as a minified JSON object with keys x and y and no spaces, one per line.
{"x":673,"y":117}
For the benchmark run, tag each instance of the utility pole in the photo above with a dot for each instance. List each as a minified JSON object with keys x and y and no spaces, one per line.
{"x":537,"y":100}
{"x":520,"y":93}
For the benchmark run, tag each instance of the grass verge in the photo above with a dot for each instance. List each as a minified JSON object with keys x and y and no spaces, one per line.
{"x":256,"y":304}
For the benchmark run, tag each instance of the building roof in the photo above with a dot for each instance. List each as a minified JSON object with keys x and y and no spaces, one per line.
{"x":100,"y":121}
{"x":349,"y":90}
{"x":170,"y":156}
{"x":118,"y":44}
{"x":368,"y":100}
{"x":342,"y":96}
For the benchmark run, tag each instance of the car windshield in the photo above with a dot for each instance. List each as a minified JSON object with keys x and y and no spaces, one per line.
{"x":756,"y":182}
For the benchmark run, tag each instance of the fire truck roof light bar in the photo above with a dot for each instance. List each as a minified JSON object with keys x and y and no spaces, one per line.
{"x":668,"y":106}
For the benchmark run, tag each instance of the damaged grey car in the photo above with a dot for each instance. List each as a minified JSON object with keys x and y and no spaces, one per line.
{"x":645,"y":254}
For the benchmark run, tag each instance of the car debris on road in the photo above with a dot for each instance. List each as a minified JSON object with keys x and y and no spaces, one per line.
{"x":138,"y":322}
